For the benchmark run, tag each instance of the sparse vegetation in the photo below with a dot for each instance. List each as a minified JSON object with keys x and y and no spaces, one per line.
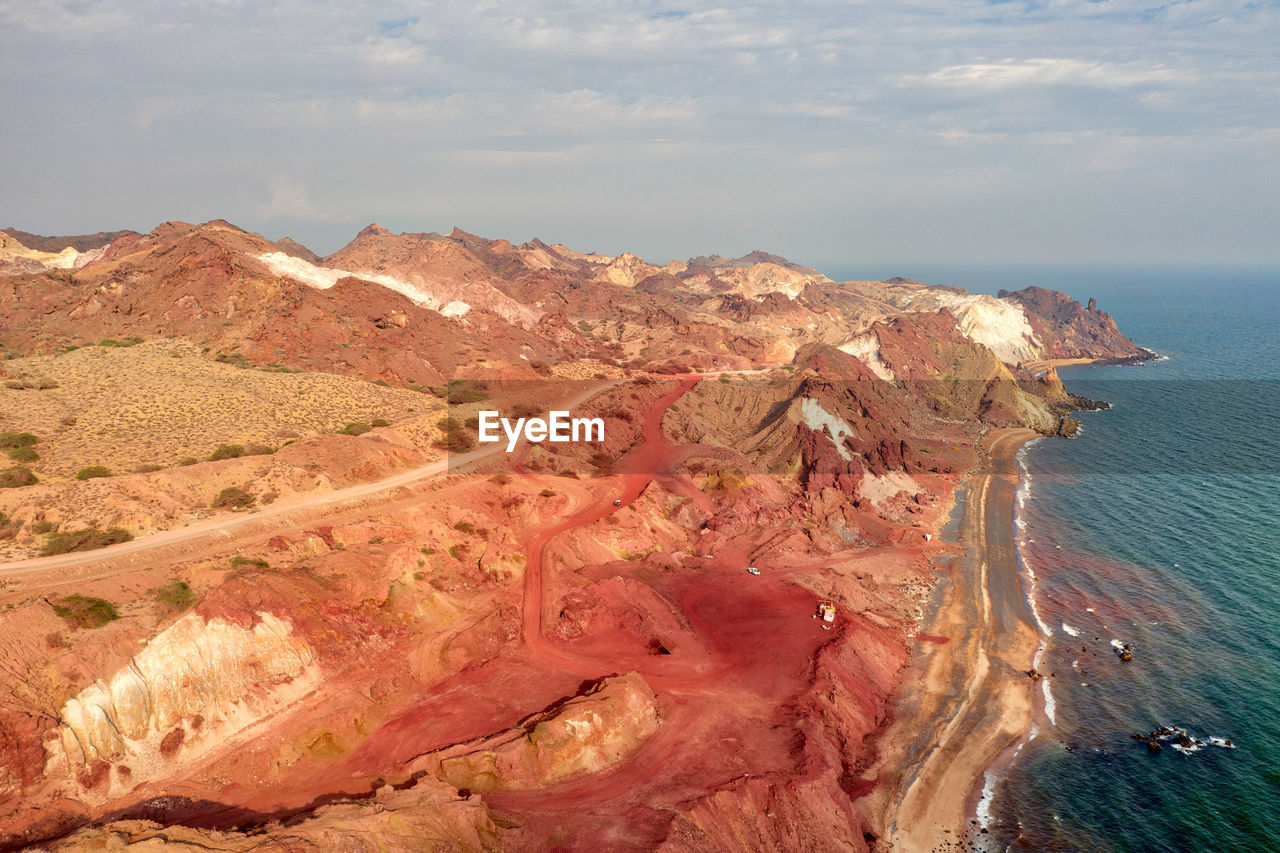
{"x":187,"y":460}
{"x":89,"y":539}
{"x":238,"y":560}
{"x":175,"y":596}
{"x":13,"y":440}
{"x":227,"y":451}
{"x":380,"y":422}
{"x":24,"y":454}
{"x":465,"y":527}
{"x":233,"y":497}
{"x":235,"y":359}
{"x":16,"y":477}
{"x":42,"y":527}
{"x":83,"y":611}
{"x":456,"y":439}
{"x":91,"y":472}
{"x":356,"y":428}
{"x":259,"y":450}
{"x":459,"y":392}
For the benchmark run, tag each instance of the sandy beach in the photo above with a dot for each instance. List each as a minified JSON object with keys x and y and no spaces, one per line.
{"x":972,"y":699}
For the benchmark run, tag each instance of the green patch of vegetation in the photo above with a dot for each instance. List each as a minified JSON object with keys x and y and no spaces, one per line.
{"x":24,"y":454}
{"x":238,"y":560}
{"x":16,"y":477}
{"x":10,"y":440}
{"x":465,"y":527}
{"x":90,"y":539}
{"x":259,"y":450}
{"x":459,"y":392}
{"x":93,"y":471}
{"x":175,"y":595}
{"x":356,"y":428}
{"x":456,"y":551}
{"x":187,"y":460}
{"x":380,"y":422}
{"x":236,"y":359}
{"x":384,"y":383}
{"x":131,"y":341}
{"x":456,"y":439}
{"x":227,"y":451}
{"x":233,"y":497}
{"x":84,"y":611}
{"x":42,"y":527}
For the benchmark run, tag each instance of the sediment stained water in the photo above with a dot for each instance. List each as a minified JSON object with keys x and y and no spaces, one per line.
{"x":1159,"y":527}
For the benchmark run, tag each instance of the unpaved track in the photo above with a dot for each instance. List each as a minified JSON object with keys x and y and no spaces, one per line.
{"x":975,"y":699}
{"x":227,"y":532}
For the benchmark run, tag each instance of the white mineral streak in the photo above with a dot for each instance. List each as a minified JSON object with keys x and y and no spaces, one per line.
{"x":231,"y":677}
{"x":816,"y":418}
{"x":998,"y":325}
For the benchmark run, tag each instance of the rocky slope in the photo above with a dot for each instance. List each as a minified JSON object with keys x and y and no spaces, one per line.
{"x":557,"y":649}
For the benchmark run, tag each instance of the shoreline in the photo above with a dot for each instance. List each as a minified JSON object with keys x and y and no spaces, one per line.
{"x":972,"y":703}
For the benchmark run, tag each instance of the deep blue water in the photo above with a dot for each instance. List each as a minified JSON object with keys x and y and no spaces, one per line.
{"x":1158,"y":527}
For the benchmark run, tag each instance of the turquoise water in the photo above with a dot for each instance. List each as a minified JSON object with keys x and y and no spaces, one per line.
{"x":1159,"y":527}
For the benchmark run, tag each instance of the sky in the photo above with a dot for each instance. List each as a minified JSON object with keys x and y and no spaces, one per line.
{"x":835,"y":133}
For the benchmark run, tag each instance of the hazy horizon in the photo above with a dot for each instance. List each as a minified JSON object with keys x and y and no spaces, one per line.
{"x":1089,"y":132}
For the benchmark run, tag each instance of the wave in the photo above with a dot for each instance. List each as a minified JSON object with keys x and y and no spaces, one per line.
{"x":1020,"y":522}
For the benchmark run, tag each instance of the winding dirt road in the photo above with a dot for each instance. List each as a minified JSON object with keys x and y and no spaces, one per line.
{"x":223,"y":532}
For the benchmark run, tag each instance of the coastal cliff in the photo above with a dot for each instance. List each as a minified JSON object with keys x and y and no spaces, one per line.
{"x":685,"y":636}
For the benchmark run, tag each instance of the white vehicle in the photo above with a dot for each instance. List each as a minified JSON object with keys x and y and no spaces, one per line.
{"x":617,"y":503}
{"x":752,"y":570}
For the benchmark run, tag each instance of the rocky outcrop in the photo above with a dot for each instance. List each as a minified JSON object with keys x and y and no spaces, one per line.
{"x":193,"y":687}
{"x":584,"y":734}
{"x":1068,"y":329}
{"x":429,"y":815}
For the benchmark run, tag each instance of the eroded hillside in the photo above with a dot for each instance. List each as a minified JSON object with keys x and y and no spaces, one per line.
{"x":393,"y":638}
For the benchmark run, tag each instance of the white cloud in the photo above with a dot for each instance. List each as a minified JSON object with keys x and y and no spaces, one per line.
{"x":1051,"y":71}
{"x":796,"y":112}
{"x":290,"y":200}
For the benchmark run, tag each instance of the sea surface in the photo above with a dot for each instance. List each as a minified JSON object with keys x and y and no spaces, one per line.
{"x":1158,"y":527}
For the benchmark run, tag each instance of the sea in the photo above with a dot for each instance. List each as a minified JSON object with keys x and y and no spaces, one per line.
{"x":1156,"y":529}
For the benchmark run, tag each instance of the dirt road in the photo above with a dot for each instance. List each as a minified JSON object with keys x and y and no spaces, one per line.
{"x":222,"y":531}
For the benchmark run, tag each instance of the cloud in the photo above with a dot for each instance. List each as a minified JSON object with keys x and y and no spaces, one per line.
{"x":1051,"y":72}
{"x":522,"y":116}
{"x":291,"y":201}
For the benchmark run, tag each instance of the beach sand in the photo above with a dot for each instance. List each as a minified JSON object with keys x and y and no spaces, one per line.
{"x":973,"y":698}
